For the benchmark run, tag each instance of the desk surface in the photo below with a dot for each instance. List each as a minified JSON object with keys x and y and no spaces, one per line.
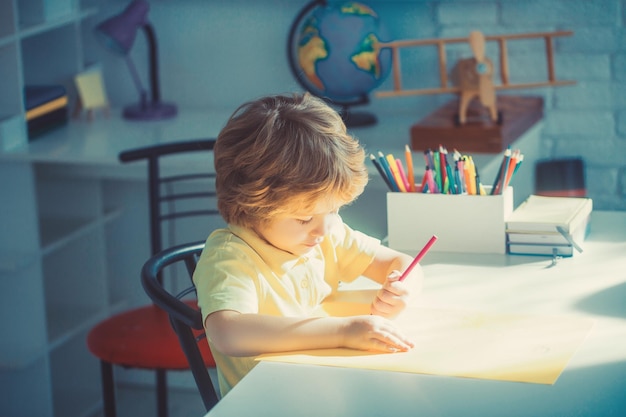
{"x":591,"y":284}
{"x":101,"y":140}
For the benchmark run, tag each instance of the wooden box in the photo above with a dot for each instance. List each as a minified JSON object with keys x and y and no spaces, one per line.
{"x":479,"y":134}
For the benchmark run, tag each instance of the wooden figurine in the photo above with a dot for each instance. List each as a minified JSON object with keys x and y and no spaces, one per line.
{"x":474,"y":78}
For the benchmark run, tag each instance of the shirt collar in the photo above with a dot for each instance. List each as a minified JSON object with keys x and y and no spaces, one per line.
{"x":278,"y":260}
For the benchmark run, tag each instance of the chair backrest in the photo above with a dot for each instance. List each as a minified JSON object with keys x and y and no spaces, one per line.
{"x":186,"y":320}
{"x":173,"y":188}
{"x":181,"y":186}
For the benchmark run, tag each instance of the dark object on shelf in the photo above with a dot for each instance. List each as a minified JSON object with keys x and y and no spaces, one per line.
{"x":46,"y":108}
{"x":479,"y":133}
{"x":560,"y":177}
{"x":49,"y":121}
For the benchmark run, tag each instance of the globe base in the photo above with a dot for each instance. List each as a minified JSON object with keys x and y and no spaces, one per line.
{"x":358,"y":119}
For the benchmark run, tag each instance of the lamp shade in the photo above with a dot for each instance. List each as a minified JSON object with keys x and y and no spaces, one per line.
{"x":118,"y":33}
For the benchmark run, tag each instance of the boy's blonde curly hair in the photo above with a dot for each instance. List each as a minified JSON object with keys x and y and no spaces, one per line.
{"x":285,"y":153}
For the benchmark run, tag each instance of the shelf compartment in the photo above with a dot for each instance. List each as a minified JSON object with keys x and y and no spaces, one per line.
{"x":68,"y":209}
{"x":36,"y":12}
{"x":23,"y":328}
{"x":56,"y":51}
{"x":90,"y":45}
{"x":25,"y":391}
{"x":40,"y":26}
{"x":7,"y":24}
{"x":123,"y":269}
{"x":12,"y":261}
{"x":58,"y":232}
{"x":12,"y":132}
{"x":74,"y":390}
{"x":75,"y":287}
{"x":11,"y":97}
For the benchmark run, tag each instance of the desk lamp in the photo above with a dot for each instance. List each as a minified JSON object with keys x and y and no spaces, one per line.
{"x":118,"y":34}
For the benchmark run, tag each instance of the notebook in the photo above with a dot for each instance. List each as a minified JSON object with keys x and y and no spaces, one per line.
{"x":544,"y":214}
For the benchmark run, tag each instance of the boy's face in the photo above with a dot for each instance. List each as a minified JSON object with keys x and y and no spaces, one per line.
{"x":297,"y":231}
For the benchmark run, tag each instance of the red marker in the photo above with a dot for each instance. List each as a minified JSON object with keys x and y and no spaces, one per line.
{"x":418,"y":257}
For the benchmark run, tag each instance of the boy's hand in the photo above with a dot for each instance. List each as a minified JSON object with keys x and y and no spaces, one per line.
{"x":392,"y":298}
{"x":374,"y":333}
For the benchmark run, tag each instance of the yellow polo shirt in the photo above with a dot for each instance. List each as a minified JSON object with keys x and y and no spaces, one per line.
{"x":242,"y":272}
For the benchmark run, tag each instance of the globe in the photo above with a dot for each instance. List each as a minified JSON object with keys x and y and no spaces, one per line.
{"x":334,"y":52}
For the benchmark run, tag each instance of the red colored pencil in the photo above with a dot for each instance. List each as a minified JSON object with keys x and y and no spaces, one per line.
{"x":418,"y":258}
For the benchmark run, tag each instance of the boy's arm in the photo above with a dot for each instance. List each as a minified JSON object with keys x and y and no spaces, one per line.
{"x":394,"y":296}
{"x":237,"y":334}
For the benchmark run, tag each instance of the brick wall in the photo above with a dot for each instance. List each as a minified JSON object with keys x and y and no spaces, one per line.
{"x":588,"y":119}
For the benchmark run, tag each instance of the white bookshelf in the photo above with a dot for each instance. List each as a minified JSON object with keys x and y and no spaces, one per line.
{"x":52,"y":250}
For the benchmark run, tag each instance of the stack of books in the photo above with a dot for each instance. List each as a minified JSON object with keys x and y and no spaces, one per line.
{"x":46,"y":108}
{"x":555,"y":226}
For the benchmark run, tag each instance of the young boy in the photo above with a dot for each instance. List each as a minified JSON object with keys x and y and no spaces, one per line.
{"x":285,"y":165}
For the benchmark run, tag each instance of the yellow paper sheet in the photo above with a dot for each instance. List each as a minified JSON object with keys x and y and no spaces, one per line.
{"x":507,"y":347}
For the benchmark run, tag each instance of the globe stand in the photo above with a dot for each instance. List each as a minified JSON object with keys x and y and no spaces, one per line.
{"x":357,"y":119}
{"x":333,"y":63}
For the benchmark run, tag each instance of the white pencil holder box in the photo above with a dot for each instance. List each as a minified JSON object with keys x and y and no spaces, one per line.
{"x":463,"y":223}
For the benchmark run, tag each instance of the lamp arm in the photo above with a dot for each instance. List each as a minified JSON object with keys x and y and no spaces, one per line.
{"x":154,"y":65}
{"x":135,"y":76}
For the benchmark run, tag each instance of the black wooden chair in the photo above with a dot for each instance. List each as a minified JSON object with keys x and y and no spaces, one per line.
{"x":186,"y":319}
{"x":142,"y":337}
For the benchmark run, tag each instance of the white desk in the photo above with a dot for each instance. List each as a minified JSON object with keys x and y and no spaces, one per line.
{"x":592,"y":284}
{"x":74,"y":222}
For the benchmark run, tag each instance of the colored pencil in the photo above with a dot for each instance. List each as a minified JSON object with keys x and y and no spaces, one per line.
{"x":381,"y":172}
{"x":418,"y":258}
{"x":409,"y":167}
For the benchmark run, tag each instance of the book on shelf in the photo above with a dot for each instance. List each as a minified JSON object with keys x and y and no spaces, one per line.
{"x":46,"y":108}
{"x":541,"y":225}
{"x":46,"y":122}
